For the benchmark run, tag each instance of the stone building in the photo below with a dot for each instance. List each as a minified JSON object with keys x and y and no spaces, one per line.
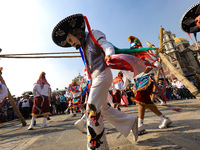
{"x":184,"y":57}
{"x":78,"y":79}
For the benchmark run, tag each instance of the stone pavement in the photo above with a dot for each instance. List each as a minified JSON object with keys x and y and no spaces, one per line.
{"x":183,"y":134}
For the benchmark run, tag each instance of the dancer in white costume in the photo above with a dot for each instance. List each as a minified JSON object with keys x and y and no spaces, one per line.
{"x":71,"y":32}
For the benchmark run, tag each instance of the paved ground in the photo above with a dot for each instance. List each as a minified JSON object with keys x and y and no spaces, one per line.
{"x":183,"y":134}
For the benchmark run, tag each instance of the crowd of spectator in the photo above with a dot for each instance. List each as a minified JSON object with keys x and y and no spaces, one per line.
{"x":58,"y":105}
{"x":175,"y":90}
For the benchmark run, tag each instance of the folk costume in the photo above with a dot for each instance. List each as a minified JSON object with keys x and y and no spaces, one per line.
{"x":3,"y":91}
{"x":144,"y":84}
{"x":75,"y":93}
{"x":41,"y":93}
{"x":116,"y":93}
{"x":101,"y":77}
{"x":68,"y":97}
{"x":3,"y":88}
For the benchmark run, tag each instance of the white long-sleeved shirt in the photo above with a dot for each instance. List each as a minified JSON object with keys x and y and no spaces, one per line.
{"x":119,"y":86}
{"x":37,"y":90}
{"x":3,"y":92}
{"x":26,"y":103}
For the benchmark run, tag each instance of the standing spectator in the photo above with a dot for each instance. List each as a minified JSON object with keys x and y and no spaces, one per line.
{"x":58,"y":110}
{"x":175,"y":94}
{"x":41,"y":93}
{"x":169,"y":91}
{"x":17,"y":101}
{"x":26,"y":105}
{"x":31,"y":103}
{"x":174,"y":83}
{"x":62,"y":102}
{"x":53,"y":103}
{"x":10,"y":111}
{"x":181,"y":89}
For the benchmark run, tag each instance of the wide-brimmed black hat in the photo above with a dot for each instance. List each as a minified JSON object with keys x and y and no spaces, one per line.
{"x":63,"y":28}
{"x":188,"y":20}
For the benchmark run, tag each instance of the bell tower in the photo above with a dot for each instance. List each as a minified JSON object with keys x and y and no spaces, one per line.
{"x":168,"y":42}
{"x":173,"y":54}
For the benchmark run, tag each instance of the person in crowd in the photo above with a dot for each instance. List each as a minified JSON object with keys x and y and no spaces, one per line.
{"x":168,"y":90}
{"x":10,"y":111}
{"x":53,"y":103}
{"x":181,"y":89}
{"x":118,"y":88}
{"x":62,"y":102}
{"x":26,"y":105}
{"x":175,"y":94}
{"x":41,"y":93}
{"x":58,"y":107}
{"x":17,"y":101}
{"x":174,"y":83}
{"x":71,"y":32}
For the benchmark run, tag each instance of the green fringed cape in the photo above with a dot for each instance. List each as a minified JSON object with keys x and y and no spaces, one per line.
{"x":130,"y":51}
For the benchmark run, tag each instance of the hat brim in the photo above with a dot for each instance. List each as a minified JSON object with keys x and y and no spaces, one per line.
{"x":188,"y":20}
{"x":62,"y":29}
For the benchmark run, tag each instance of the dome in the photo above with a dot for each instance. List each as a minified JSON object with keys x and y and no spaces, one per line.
{"x":178,"y":40}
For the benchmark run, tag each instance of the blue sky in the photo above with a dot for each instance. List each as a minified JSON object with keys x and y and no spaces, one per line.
{"x":26,"y":27}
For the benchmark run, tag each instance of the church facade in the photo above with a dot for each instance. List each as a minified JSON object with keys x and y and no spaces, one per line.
{"x":184,"y":57}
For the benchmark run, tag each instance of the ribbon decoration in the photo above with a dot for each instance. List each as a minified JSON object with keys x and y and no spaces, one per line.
{"x":82,"y":56}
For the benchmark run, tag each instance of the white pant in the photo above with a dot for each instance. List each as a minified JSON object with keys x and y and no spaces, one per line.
{"x":98,"y":98}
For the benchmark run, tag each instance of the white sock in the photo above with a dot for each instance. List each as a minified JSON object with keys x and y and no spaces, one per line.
{"x":44,"y":121}
{"x":32,"y":121}
{"x":163,"y":116}
{"x":70,"y":111}
{"x":74,"y":112}
{"x":140,"y":121}
{"x":81,"y":111}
